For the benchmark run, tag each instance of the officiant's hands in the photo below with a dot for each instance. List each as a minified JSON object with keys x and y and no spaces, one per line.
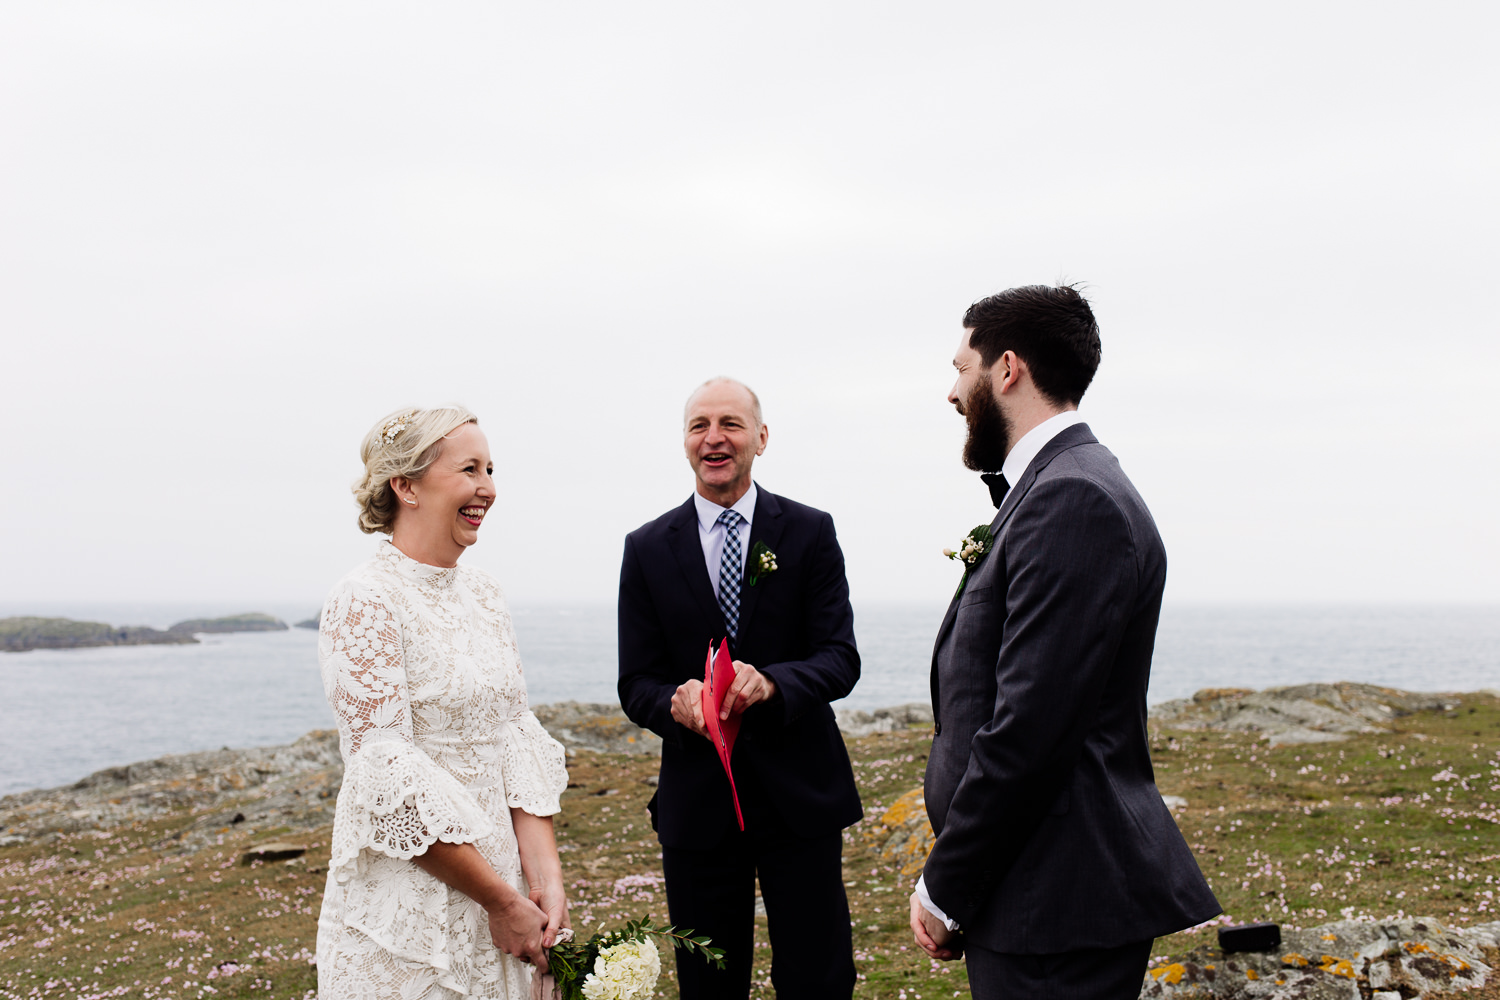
{"x":932,"y":934}
{"x":749,"y":688}
{"x":687,"y":707}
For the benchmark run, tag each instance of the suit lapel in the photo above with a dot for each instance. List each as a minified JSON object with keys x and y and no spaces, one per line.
{"x":682,"y":538}
{"x":1069,"y":437}
{"x":765,"y":527}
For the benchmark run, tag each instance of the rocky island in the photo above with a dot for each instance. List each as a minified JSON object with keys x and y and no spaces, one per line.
{"x":249,"y":622}
{"x":20,"y":634}
{"x":17,"y":635}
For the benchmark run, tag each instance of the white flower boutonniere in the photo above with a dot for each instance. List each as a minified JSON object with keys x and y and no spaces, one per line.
{"x":762,"y":563}
{"x":973,"y":548}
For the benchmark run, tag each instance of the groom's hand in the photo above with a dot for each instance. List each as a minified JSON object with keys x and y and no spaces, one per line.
{"x":750,"y":686}
{"x":932,"y":934}
{"x":687,"y":707}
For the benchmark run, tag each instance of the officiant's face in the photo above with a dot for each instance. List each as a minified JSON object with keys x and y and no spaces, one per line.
{"x":722,"y":438}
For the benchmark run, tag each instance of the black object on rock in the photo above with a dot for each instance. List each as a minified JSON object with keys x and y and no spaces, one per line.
{"x":1249,"y":937}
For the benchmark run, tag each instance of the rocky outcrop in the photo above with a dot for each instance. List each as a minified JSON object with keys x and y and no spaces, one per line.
{"x":20,"y":634}
{"x":593,"y":726}
{"x":291,"y":786}
{"x":249,"y":622}
{"x":853,"y":722}
{"x":1416,"y":957}
{"x":309,"y":623}
{"x":294,"y":786}
{"x":1303,"y":713}
{"x":604,"y":727}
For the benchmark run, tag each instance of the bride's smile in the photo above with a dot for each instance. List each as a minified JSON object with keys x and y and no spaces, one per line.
{"x":439,"y":515}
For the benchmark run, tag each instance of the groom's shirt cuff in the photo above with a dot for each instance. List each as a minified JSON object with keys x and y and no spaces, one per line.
{"x":931,"y":907}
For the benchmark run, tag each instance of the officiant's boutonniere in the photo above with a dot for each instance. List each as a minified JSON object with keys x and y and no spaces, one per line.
{"x":975,"y":544}
{"x":762,"y":563}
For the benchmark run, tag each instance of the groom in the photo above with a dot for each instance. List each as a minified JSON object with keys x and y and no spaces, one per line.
{"x":691,"y":577}
{"x":1056,"y":863}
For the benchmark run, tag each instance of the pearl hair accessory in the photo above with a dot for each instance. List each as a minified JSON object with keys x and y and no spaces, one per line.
{"x":394,"y":426}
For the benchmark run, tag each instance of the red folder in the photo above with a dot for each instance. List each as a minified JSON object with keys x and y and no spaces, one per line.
{"x":718,"y":678}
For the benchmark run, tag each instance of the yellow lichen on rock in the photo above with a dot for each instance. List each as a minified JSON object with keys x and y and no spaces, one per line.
{"x":1169,"y":974}
{"x":1337,"y":966}
{"x":904,"y":808}
{"x":905,"y":833}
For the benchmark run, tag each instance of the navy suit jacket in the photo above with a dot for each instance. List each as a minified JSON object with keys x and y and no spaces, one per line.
{"x":796,"y":627}
{"x":1051,"y":834}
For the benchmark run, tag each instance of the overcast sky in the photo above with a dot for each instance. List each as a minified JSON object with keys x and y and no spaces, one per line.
{"x":232,"y":236}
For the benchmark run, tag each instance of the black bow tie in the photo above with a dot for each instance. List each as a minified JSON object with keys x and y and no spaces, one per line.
{"x":998,"y":487}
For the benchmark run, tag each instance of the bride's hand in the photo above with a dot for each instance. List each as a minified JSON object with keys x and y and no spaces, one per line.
{"x":517,"y":926}
{"x":553,"y":901}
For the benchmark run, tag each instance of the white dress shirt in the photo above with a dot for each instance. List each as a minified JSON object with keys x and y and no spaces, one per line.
{"x":711,"y":534}
{"x":1033,"y":441}
{"x":1016,"y":463}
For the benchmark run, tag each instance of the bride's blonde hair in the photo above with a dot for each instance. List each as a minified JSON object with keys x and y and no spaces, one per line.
{"x":403,"y":443}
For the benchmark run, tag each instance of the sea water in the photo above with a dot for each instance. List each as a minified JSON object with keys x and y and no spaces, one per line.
{"x":67,"y":713}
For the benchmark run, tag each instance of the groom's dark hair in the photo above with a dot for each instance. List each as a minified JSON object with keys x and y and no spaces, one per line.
{"x":1051,"y":329}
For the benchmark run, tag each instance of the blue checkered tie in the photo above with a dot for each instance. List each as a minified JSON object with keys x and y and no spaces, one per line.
{"x":731,"y":571}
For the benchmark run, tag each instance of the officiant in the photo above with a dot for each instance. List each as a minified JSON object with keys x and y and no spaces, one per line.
{"x":735,"y":561}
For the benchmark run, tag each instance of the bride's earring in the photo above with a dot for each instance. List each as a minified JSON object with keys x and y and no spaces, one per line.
{"x":412,"y":502}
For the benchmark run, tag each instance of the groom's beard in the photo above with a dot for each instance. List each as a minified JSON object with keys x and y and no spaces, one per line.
{"x":989,"y":429}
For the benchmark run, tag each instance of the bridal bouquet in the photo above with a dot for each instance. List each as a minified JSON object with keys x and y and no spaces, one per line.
{"x":621,"y":964}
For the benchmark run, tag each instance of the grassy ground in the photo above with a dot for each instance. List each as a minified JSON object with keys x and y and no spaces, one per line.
{"x":1400,"y":823}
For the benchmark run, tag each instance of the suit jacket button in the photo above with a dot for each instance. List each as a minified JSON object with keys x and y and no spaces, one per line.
{"x":937,"y":729}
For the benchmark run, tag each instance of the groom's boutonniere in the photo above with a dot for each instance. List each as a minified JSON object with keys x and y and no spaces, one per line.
{"x":975,"y":544}
{"x":762,"y":563}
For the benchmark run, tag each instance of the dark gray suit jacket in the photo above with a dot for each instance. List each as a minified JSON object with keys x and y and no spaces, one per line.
{"x":1051,"y":834}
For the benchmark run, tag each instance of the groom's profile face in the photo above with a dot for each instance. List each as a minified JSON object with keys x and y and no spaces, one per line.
{"x":973,"y":395}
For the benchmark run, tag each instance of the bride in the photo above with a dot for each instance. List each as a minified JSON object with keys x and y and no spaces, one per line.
{"x":444,"y":880}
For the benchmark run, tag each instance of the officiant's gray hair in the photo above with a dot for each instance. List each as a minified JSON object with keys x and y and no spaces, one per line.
{"x":754,"y":399}
{"x":403,"y":443}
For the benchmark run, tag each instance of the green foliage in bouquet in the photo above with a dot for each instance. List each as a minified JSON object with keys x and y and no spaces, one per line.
{"x":626,"y":972}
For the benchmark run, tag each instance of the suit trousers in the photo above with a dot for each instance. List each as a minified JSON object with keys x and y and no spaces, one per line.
{"x":802,"y":885}
{"x":1087,"y":974}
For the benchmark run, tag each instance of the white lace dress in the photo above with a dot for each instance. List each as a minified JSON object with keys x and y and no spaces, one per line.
{"x":421,"y":668}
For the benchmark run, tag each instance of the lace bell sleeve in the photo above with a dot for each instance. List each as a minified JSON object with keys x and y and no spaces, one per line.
{"x":536,"y":768}
{"x":395,"y":800}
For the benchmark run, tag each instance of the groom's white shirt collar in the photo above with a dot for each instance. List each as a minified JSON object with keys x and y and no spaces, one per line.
{"x":1016,"y":463}
{"x":1033,"y":441}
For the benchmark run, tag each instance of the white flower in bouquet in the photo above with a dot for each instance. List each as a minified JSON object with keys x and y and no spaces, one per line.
{"x":625,"y":971}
